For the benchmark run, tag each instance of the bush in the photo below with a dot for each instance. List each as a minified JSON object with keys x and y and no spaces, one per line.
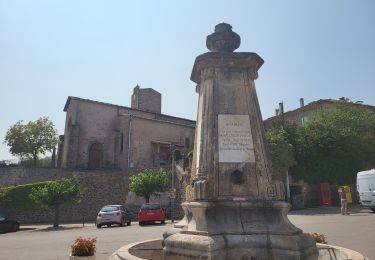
{"x":319,"y":238}
{"x":84,"y":246}
{"x":18,"y":197}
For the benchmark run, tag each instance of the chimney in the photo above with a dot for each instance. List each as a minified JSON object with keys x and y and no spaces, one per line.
{"x":301,"y":102}
{"x":281,"y":108}
{"x":276,"y":112}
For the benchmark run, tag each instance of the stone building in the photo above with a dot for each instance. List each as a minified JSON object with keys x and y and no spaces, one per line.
{"x":302,"y":114}
{"x":100,"y":135}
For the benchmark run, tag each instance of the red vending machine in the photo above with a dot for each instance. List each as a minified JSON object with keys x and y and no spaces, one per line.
{"x":325,"y":193}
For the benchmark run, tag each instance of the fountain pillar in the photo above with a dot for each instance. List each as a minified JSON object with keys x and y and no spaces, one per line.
{"x":233,"y":208}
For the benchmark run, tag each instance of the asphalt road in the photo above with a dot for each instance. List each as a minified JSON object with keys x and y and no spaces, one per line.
{"x":356,"y":231}
{"x":40,"y":242}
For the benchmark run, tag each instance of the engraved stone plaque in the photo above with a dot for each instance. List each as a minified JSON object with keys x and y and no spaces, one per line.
{"x":235,"y":139}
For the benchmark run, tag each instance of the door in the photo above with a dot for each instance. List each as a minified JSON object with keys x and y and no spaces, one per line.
{"x":95,"y":156}
{"x":325,"y":194}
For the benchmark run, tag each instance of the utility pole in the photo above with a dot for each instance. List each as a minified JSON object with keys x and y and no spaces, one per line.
{"x":171,"y":193}
{"x":281,"y":113}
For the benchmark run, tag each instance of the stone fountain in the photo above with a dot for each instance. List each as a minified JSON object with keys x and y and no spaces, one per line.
{"x":233,"y":208}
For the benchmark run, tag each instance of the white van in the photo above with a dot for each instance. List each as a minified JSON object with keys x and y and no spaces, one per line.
{"x":366,"y":188}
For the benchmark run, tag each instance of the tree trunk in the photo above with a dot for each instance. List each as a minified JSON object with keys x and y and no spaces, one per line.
{"x":35,"y":159}
{"x":147,"y":198}
{"x":57,"y":213}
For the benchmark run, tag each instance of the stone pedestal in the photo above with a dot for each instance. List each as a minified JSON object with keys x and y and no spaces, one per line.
{"x":239,"y":230}
{"x":234,"y":210}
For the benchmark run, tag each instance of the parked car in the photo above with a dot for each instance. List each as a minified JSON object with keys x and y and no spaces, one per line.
{"x":7,"y":225}
{"x":113,"y":214}
{"x":151,"y":212}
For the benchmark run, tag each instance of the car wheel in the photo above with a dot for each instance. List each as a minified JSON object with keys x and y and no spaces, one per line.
{"x":129,"y":222}
{"x":16,"y":227}
{"x":373,"y":209}
{"x":141,"y":223}
{"x":163,"y":221}
{"x":108,"y":225}
{"x":99,"y":226}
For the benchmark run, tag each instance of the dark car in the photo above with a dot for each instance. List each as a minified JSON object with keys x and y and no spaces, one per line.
{"x":113,"y":214}
{"x":7,"y":225}
{"x":151,"y":212}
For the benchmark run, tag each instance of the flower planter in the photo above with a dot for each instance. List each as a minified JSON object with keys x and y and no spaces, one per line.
{"x":91,"y":257}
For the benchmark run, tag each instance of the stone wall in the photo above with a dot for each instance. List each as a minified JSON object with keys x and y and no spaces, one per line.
{"x":102,"y":187}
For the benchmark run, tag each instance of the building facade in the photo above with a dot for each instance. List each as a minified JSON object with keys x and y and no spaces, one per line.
{"x":302,"y":114}
{"x":105,"y":136}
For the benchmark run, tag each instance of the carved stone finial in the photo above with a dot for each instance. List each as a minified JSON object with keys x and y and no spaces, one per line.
{"x":223,"y":39}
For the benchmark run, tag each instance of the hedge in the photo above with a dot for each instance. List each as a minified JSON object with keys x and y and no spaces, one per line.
{"x":17,"y":197}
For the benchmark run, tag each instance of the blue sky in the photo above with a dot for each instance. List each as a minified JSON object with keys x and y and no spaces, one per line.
{"x":100,"y":50}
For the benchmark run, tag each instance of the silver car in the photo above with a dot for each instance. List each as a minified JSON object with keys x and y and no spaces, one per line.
{"x":113,"y":214}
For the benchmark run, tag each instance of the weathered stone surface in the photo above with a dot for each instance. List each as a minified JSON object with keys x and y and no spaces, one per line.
{"x":234,"y":209}
{"x":130,"y":138}
{"x":223,"y":39}
{"x":241,"y":246}
{"x":226,"y":87}
{"x":153,"y":250}
{"x":146,"y":99}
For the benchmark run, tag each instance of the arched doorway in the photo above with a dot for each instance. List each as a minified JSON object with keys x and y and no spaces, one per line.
{"x":95,"y":156}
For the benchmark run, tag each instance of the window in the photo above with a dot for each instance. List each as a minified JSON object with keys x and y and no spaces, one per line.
{"x":187,"y":143}
{"x":109,"y":209}
{"x":150,"y":206}
{"x":304,"y":120}
{"x":69,"y":124}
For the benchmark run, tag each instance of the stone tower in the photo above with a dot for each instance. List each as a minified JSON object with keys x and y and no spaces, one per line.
{"x":146,"y":99}
{"x":234,"y":210}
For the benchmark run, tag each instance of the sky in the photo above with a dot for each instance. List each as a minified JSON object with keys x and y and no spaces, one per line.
{"x":101,"y":50}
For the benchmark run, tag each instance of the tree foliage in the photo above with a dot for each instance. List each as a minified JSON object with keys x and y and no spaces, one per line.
{"x":149,"y":182}
{"x":56,"y":193}
{"x":31,"y":139}
{"x":281,"y":151}
{"x":334,"y":144}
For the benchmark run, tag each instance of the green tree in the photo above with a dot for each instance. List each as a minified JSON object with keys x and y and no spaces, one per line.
{"x":335,"y":144}
{"x":149,"y":182}
{"x":281,"y":151}
{"x":32,"y":139}
{"x":56,"y":193}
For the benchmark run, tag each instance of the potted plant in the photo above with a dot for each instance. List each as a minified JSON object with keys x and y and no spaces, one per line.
{"x":83,"y":249}
{"x":319,"y":238}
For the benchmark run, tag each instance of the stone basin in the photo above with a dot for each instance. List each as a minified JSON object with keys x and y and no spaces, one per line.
{"x":153,"y":250}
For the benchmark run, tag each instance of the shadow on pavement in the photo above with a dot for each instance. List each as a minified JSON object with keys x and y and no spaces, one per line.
{"x":61,"y":228}
{"x":27,"y":228}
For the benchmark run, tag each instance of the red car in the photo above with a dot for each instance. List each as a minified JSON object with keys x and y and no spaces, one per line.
{"x":151,"y":212}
